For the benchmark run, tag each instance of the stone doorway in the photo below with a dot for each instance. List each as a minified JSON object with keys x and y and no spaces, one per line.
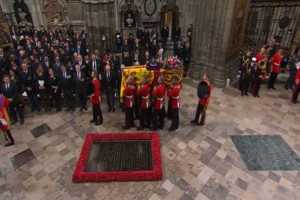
{"x":170,"y":19}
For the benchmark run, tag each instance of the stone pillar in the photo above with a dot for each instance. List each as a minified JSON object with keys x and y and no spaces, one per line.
{"x":218,"y":33}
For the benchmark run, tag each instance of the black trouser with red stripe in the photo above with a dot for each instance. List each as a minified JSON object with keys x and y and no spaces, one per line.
{"x":174,"y":118}
{"x":296,"y":91}
{"x":97,"y":114}
{"x":158,"y":119}
{"x":129,"y":117}
{"x":145,"y":118}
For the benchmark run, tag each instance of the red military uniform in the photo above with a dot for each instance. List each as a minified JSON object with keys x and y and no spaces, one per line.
{"x":205,"y":100}
{"x":296,"y":88}
{"x":144,"y":93}
{"x":4,"y":119}
{"x":260,"y":57}
{"x":96,"y":101}
{"x":95,"y":98}
{"x":297,"y":78}
{"x":3,"y":113}
{"x":129,"y":93}
{"x":159,"y":93}
{"x":276,"y":62}
{"x":204,"y":92}
{"x":173,"y":94}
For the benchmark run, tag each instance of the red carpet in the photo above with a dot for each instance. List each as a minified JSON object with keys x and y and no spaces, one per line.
{"x":82,"y":174}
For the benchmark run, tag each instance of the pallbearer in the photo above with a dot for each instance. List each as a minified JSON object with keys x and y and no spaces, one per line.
{"x":158,"y":95}
{"x":96,"y":100}
{"x":203,"y":91}
{"x":128,"y":100}
{"x":174,"y":98}
{"x":144,"y":94}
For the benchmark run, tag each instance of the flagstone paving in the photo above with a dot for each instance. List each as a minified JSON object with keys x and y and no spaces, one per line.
{"x":200,"y":163}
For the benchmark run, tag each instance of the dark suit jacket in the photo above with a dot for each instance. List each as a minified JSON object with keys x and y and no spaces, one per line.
{"x":98,"y":66}
{"x":109,"y":83}
{"x":9,"y":92}
{"x":80,"y":84}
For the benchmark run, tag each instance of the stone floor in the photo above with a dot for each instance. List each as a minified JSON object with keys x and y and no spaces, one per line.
{"x":200,"y":163}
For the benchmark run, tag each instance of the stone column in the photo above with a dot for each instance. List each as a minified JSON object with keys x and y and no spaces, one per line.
{"x":218,"y":32}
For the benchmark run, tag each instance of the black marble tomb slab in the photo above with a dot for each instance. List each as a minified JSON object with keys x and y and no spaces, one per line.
{"x":22,"y":158}
{"x":40,"y":130}
{"x":266,"y":152}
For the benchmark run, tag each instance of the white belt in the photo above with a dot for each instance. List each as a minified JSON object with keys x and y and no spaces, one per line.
{"x":145,"y":97}
{"x":129,"y":97}
{"x":175,"y":97}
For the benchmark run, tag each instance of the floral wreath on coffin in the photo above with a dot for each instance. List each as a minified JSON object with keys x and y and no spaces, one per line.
{"x":173,"y":62}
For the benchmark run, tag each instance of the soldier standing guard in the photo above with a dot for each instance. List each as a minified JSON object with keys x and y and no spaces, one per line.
{"x":174,"y":97}
{"x":4,"y":120}
{"x":276,"y":68}
{"x":158,"y":95}
{"x":128,"y":99}
{"x":144,"y":94}
{"x":96,"y":100}
{"x":204,"y":92}
{"x":296,"y":88}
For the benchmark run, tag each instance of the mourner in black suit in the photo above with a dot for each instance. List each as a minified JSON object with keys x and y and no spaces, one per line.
{"x":80,"y":81}
{"x":95,"y":65}
{"x":40,"y":86}
{"x":16,"y":107}
{"x":26,"y":86}
{"x":54,"y":88}
{"x":109,"y":84}
{"x":67,"y":85}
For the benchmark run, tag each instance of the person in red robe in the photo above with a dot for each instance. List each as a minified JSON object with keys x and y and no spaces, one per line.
{"x":4,"y":120}
{"x":276,"y":68}
{"x":174,"y":96}
{"x":144,"y":95}
{"x":204,"y":92}
{"x":296,"y":88}
{"x":158,"y":95}
{"x":128,"y":100}
{"x":96,"y":100}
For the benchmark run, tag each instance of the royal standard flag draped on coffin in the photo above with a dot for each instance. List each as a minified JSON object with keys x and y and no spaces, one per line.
{"x":139,"y":72}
